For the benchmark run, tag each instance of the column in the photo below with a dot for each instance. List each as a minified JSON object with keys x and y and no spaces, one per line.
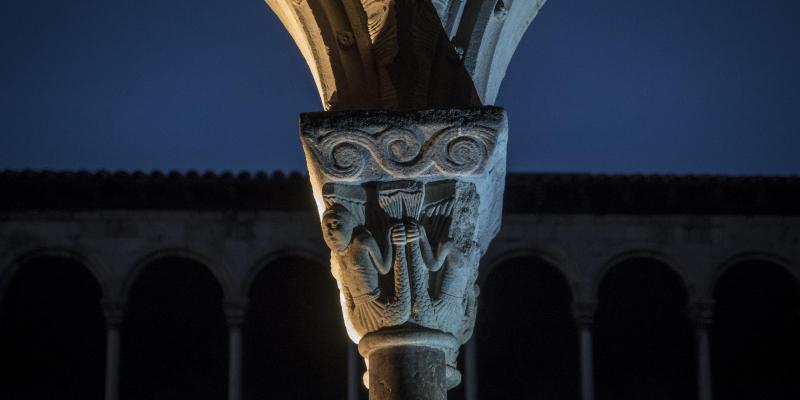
{"x":583,"y":313}
{"x":702,"y":317}
{"x":113,"y":311}
{"x":412,"y":191}
{"x":235,"y":313}
{"x":353,"y":373}
{"x":471,"y":370}
{"x":407,"y":364}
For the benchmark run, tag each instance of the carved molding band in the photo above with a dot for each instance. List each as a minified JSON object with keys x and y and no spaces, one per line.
{"x":402,"y":153}
{"x":386,"y":145}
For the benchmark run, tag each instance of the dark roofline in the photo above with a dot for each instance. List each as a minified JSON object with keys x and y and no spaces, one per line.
{"x":525,"y":193}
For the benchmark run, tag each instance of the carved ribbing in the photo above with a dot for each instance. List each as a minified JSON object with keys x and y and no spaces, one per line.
{"x":406,"y":54}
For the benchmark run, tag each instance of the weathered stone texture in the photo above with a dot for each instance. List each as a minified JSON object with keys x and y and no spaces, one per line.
{"x":406,"y":54}
{"x":408,"y":203}
{"x":409,"y":372}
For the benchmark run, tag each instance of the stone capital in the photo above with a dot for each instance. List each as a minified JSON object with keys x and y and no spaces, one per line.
{"x":701,"y":313}
{"x":114,"y":311}
{"x":408,"y":203}
{"x":446,"y":150}
{"x":583,"y":312}
{"x":235,"y":311}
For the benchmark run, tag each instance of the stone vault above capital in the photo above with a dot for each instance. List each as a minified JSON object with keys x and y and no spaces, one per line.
{"x":406,"y":54}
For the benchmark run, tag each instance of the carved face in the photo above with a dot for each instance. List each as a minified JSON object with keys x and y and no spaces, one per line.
{"x":337,"y":227}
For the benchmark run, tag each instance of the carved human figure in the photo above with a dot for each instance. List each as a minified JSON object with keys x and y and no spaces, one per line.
{"x":419,"y":271}
{"x":357,"y":263}
{"x":452,"y":305}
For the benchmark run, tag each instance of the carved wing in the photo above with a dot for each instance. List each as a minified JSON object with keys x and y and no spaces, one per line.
{"x":401,"y":199}
{"x":436,"y":217}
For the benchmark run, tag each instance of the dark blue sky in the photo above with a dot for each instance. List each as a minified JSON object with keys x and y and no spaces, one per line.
{"x":668,"y":86}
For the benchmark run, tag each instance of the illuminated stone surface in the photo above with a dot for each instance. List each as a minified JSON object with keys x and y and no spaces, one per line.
{"x":409,"y":202}
{"x":406,"y":54}
{"x":404,"y":371}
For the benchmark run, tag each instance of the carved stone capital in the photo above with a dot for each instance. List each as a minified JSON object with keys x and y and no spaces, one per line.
{"x":434,"y":147}
{"x":408,"y":202}
{"x":583,"y":312}
{"x":114,"y":311}
{"x":235,"y":311}
{"x":702,"y":313}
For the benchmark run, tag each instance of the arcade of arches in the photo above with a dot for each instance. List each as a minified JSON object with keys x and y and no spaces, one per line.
{"x":212,"y":304}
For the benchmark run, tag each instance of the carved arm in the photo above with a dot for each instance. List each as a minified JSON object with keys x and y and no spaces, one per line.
{"x":434,"y":263}
{"x":396,"y":236}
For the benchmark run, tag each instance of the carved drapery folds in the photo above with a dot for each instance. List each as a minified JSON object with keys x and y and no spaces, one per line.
{"x":406,"y":54}
{"x":408,"y":203}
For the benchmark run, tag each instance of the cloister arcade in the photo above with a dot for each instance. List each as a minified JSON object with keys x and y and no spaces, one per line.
{"x":135,"y":304}
{"x":644,"y":341}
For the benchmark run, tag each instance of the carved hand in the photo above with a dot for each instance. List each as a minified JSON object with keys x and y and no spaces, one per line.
{"x":413,"y":229}
{"x":398,"y":232}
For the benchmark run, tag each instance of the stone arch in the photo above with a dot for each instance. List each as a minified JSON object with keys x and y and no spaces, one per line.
{"x":293,"y":303}
{"x":744,"y":257}
{"x":174,"y":334}
{"x":53,"y":328}
{"x":92,"y":264}
{"x":643,"y":336}
{"x":754,"y":327}
{"x":553,"y":258}
{"x":647,"y":254}
{"x":525,"y":335}
{"x":216,"y":267}
{"x":314,"y":256}
{"x":350,"y":45}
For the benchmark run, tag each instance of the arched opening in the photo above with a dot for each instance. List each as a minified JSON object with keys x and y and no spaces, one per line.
{"x":527,"y":340}
{"x":52,"y":332}
{"x":644,"y":338}
{"x":174,"y":335}
{"x":755,"y":336}
{"x":295,"y":345}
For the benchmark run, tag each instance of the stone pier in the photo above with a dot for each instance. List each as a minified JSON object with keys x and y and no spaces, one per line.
{"x":407,"y":165}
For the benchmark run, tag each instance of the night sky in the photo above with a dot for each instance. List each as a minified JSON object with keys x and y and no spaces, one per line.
{"x":669,"y":86}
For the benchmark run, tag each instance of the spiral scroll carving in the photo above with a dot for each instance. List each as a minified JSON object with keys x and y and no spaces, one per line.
{"x":349,"y":154}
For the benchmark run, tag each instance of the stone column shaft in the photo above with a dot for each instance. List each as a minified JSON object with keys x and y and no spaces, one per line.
{"x":407,"y":372}
{"x":701,"y":314}
{"x":112,"y":363}
{"x":235,"y":313}
{"x":471,"y":370}
{"x":353,"y":373}
{"x":407,"y":364}
{"x":703,"y":365}
{"x":587,"y":363}
{"x":235,"y":362}
{"x":113,"y":310}
{"x":583,"y":313}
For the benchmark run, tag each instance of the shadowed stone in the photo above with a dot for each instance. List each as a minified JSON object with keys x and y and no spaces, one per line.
{"x":406,"y":54}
